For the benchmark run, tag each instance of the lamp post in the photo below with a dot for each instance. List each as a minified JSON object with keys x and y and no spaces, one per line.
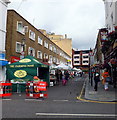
{"x":90,"y":63}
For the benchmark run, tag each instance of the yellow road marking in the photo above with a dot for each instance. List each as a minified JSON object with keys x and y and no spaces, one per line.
{"x":94,"y":101}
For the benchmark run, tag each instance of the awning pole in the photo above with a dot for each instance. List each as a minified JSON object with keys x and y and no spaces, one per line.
{"x":37,"y":71}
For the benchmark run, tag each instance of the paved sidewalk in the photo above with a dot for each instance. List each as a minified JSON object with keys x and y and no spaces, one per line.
{"x":101,"y":94}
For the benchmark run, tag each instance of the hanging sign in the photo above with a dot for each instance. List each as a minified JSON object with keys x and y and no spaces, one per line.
{"x":14,"y":59}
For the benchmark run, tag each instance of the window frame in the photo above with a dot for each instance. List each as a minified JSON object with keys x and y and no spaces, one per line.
{"x":39,"y":56}
{"x":33,"y":54}
{"x":22,"y":26}
{"x":30,"y":36}
{"x":40,"y":41}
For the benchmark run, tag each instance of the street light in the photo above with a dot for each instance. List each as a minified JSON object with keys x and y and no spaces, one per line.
{"x":90,"y":63}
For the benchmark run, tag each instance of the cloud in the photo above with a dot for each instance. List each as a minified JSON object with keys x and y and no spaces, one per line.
{"x":79,"y":19}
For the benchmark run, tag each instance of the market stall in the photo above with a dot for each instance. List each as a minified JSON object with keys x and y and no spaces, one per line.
{"x":24,"y":70}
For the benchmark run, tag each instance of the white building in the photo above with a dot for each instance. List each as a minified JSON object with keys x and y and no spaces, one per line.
{"x":110,"y":14}
{"x":3,"y":17}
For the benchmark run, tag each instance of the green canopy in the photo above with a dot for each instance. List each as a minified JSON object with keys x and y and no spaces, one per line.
{"x":27,"y":68}
{"x":28,"y":61}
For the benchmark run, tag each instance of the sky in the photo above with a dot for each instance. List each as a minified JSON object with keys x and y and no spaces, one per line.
{"x":79,"y":19}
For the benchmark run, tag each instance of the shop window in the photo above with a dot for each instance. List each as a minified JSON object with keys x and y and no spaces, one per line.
{"x":40,"y":41}
{"x":39,"y":54}
{"x":31,"y":35}
{"x":31,"y":51}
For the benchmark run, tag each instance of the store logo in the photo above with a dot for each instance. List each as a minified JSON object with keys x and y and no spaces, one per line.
{"x":25,"y":60}
{"x":20,"y":73}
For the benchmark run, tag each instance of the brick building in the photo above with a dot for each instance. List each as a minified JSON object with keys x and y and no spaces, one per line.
{"x":24,"y":39}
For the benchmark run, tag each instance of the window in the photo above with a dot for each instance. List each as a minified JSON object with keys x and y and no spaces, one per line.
{"x":45,"y":44}
{"x":54,"y":49}
{"x":50,"y":47}
{"x":57,"y":61}
{"x":20,"y":27}
{"x":45,"y":56}
{"x":58,"y":51}
{"x":18,"y":47}
{"x":54,"y":59}
{"x":85,"y":56}
{"x":76,"y":57}
{"x":76,"y":62}
{"x":39,"y":54}
{"x":40,"y":40}
{"x":50,"y":58}
{"x":31,"y":51}
{"x":85,"y":61}
{"x":31,"y":35}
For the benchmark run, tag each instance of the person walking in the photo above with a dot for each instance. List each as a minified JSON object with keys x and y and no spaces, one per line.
{"x":66,"y":75}
{"x":96,"y":80}
{"x":105,"y":75}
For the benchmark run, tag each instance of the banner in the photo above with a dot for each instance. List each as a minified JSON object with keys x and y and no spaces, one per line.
{"x":42,"y":86}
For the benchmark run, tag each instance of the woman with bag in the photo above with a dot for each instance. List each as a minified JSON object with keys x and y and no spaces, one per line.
{"x":106,"y":80}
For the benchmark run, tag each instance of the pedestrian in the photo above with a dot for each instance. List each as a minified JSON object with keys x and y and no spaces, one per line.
{"x":61,"y":75}
{"x":105,"y":75}
{"x":64,"y":81}
{"x":57,"y":76}
{"x":66,"y":75}
{"x":96,"y":80}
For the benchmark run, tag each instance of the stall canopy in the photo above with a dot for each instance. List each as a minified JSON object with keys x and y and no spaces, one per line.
{"x":27,"y":68}
{"x":63,"y":67}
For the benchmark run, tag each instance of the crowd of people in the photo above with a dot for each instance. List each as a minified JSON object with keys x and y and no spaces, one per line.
{"x":65,"y":75}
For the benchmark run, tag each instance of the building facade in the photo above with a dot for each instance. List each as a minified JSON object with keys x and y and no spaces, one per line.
{"x":110,"y":14}
{"x":105,"y":52}
{"x":109,"y":48}
{"x":62,"y":41}
{"x":24,"y":39}
{"x":3,"y":18}
{"x":80,"y":59}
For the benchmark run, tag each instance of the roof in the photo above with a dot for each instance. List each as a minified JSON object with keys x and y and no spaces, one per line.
{"x":28,"y":61}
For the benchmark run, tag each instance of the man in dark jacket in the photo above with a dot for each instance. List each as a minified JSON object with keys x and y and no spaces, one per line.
{"x":96,"y":80}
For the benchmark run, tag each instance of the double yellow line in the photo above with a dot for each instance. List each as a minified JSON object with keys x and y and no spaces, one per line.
{"x":94,"y":101}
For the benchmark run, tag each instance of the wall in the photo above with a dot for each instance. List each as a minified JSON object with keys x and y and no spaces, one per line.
{"x":3,"y":13}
